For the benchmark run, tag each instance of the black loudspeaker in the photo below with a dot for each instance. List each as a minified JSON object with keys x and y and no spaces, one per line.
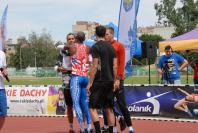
{"x":149,"y":49}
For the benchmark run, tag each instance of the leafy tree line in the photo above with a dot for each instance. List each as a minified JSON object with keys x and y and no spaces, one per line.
{"x":184,"y":17}
{"x":37,"y":50}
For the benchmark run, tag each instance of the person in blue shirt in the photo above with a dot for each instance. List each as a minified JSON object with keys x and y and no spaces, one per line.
{"x":169,"y":66}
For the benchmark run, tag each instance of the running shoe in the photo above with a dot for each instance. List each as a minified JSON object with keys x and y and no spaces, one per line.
{"x":104,"y":130}
{"x":131,"y":132}
{"x":91,"y":131}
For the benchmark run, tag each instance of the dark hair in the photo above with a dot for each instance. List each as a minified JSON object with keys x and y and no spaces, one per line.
{"x":80,"y":36}
{"x":70,"y":34}
{"x":60,"y":89}
{"x":111,"y":29}
{"x":100,"y":31}
{"x":168,"y":47}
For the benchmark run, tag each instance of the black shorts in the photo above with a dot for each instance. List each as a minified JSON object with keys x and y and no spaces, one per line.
{"x":101,"y":95}
{"x":68,"y":98}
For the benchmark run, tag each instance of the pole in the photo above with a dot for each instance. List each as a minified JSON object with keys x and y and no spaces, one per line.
{"x":187,"y":51}
{"x":35,"y":59}
{"x":20,"y":59}
{"x":149,"y":61}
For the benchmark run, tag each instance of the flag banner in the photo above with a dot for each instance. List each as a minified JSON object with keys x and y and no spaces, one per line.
{"x":3,"y":29}
{"x":127,"y":30}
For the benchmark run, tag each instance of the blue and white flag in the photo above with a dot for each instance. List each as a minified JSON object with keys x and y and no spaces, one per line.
{"x":127,"y":30}
{"x":3,"y":29}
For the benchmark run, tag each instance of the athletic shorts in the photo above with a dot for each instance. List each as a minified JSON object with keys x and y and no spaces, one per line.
{"x":68,"y":99}
{"x":101,"y":95}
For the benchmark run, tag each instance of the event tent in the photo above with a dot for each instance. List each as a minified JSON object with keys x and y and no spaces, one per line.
{"x":187,"y":41}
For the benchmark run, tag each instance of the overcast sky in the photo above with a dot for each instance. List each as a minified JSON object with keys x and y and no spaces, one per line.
{"x":58,"y":16}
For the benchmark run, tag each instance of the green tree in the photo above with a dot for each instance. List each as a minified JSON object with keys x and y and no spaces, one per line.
{"x":149,"y":37}
{"x":37,"y":51}
{"x":184,"y":18}
{"x":42,"y":47}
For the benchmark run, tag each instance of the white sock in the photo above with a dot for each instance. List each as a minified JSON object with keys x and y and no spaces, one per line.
{"x":130,"y":128}
{"x":106,"y":126}
{"x":82,"y":126}
{"x":89,"y":127}
{"x":115,"y":130}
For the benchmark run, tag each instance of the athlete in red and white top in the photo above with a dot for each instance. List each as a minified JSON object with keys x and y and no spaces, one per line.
{"x":79,"y":80}
{"x":80,"y":60}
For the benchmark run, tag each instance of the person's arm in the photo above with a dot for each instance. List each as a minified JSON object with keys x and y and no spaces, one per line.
{"x":184,"y":64}
{"x":60,"y":47}
{"x":120,"y":61}
{"x":159,"y":66}
{"x":3,"y":71}
{"x":181,"y":59}
{"x":180,"y":105}
{"x":186,"y":93}
{"x":54,"y":102}
{"x":92,"y":73}
{"x":58,"y":66}
{"x":71,"y":48}
{"x":160,"y":71}
{"x":58,"y":62}
{"x":116,"y":80}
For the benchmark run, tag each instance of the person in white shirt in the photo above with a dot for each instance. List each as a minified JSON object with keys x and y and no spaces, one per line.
{"x":3,"y":74}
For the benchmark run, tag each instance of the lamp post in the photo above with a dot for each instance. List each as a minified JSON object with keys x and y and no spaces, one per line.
{"x":20,"y":59}
{"x":35,"y":59}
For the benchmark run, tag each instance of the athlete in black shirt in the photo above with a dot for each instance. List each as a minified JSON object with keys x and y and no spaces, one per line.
{"x":101,"y":84}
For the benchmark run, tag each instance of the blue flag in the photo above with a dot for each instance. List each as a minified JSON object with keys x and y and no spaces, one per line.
{"x":127,"y":30}
{"x":3,"y":29}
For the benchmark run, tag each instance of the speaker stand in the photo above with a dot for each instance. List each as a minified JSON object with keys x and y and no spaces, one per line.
{"x":187,"y":52}
{"x":149,"y":61}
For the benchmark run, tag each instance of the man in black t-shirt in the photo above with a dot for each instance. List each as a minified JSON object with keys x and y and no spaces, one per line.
{"x":102,"y":74}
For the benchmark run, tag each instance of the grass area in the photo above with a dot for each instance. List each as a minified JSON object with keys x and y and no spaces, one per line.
{"x":58,"y":81}
{"x":154,"y":80}
{"x":35,"y":81}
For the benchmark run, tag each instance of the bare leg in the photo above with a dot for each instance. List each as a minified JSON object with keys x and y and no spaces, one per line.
{"x":70,"y":114}
{"x":95,"y":119}
{"x":111,"y":118}
{"x":180,"y":105}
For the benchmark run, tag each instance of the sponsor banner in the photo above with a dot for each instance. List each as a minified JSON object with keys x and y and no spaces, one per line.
{"x":141,"y":100}
{"x":27,"y":100}
{"x":161,"y":100}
